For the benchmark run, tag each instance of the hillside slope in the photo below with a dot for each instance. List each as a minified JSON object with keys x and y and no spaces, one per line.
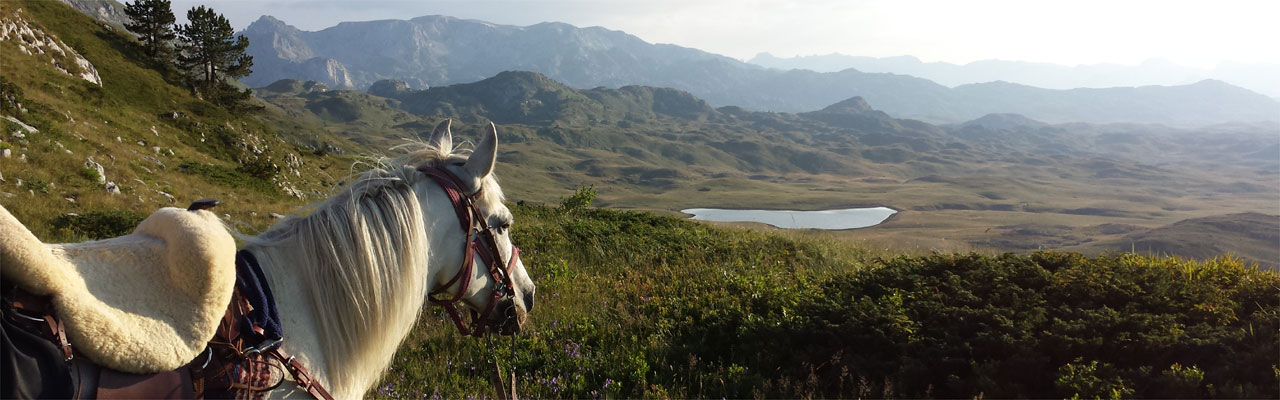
{"x":1250,"y":236}
{"x":134,"y":142}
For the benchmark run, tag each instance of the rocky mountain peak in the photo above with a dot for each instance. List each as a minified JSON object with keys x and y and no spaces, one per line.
{"x":853,"y":105}
{"x":269,"y":23}
{"x":1005,"y":121}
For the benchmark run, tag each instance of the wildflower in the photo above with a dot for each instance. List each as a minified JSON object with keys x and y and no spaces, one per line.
{"x":573,"y":349}
{"x":387,"y":389}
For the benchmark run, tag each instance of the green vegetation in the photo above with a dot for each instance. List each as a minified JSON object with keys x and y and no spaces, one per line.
{"x":153,"y":21}
{"x":636,"y":305}
{"x":237,"y":177}
{"x":212,"y":54}
{"x":95,"y":225}
{"x":142,"y":125}
{"x":580,"y":199}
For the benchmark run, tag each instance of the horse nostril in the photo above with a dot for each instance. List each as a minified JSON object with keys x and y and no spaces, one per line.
{"x":528,"y":301}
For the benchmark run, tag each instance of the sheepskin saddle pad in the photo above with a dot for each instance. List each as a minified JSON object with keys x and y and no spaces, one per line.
{"x":145,"y":302}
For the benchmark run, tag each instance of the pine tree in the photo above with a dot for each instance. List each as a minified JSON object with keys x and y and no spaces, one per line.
{"x":212,"y":54}
{"x":153,"y":21}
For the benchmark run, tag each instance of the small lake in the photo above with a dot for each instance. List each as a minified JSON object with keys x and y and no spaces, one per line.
{"x":849,"y":218}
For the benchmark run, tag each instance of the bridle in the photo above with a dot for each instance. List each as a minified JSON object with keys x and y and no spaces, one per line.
{"x":481,"y":240}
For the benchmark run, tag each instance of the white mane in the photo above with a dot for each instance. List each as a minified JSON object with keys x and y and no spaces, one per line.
{"x":361,"y":258}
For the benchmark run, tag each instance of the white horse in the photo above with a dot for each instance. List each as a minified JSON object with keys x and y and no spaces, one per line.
{"x":351,"y":277}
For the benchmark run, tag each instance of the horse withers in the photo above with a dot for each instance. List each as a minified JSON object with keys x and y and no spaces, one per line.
{"x":340,"y":286}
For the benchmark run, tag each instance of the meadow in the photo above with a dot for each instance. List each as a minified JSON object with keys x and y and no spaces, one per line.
{"x":636,"y":305}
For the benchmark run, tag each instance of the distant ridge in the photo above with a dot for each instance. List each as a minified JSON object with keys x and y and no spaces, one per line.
{"x":1262,"y":78}
{"x":438,"y":50}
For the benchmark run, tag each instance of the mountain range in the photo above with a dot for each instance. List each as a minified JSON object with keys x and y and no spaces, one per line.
{"x":1262,"y":78}
{"x":438,"y":50}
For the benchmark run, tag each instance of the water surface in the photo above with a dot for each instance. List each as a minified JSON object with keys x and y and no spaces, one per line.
{"x":848,"y":218}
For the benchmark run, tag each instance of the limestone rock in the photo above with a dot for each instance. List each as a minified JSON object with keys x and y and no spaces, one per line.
{"x":32,"y":41}
{"x":23,"y":125}
{"x":102,"y":172}
{"x":392,"y":88}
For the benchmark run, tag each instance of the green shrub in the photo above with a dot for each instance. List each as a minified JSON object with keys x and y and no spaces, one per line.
{"x":581,"y":198}
{"x":229,"y":177}
{"x":95,"y":224}
{"x":90,"y":174}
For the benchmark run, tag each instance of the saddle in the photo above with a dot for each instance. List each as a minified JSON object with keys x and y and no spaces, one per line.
{"x":146,"y":302}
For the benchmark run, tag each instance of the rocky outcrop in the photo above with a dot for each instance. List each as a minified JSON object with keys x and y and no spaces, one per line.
{"x":102,"y":172}
{"x":278,"y":50}
{"x":107,"y":11}
{"x":32,"y":40}
{"x":327,"y":71}
{"x":392,"y":88}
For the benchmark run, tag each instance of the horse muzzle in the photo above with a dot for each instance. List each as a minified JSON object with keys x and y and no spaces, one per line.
{"x":509,"y":318}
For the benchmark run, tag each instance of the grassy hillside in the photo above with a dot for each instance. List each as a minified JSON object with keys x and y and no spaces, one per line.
{"x":1253,"y":237}
{"x":634,"y":305}
{"x":156,"y":142}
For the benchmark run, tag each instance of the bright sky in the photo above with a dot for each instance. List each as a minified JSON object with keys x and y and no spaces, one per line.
{"x":1191,"y":33}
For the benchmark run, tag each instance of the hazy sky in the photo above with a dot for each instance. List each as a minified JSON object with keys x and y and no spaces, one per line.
{"x":1191,"y":33}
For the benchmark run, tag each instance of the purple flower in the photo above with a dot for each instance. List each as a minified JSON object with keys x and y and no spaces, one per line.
{"x":573,"y":349}
{"x":607,"y":382}
{"x":387,"y":389}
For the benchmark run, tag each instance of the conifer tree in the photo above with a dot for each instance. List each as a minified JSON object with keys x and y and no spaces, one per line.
{"x":153,"y":21}
{"x":211,"y":54}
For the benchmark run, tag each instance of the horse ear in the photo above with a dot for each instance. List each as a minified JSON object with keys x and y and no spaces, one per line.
{"x":441,"y":137}
{"x":480,"y":164}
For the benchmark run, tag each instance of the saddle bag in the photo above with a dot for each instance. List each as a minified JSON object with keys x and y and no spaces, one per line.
{"x":31,"y":366}
{"x":37,"y":362}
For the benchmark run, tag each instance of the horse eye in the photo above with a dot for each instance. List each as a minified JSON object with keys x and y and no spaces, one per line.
{"x":506,"y":225}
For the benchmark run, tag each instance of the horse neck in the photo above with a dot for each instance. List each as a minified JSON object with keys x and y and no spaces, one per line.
{"x":348,"y":338}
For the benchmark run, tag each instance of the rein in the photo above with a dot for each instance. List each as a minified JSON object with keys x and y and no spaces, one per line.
{"x":480,"y":240}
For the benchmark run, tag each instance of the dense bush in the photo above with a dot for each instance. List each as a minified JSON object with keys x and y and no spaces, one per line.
{"x":95,"y":224}
{"x":637,"y":305}
{"x":246,"y":175}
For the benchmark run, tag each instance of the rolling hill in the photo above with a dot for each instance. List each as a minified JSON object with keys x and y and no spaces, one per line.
{"x":664,"y":149}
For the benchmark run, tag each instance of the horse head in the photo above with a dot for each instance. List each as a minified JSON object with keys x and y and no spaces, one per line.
{"x":491,"y":281}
